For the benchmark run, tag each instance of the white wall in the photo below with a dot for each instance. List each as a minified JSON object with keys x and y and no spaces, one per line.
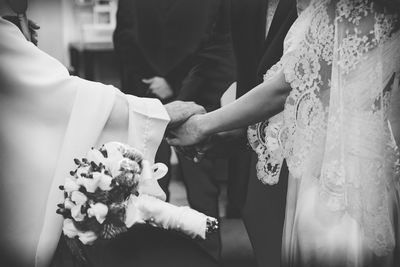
{"x":48,"y":14}
{"x":57,"y":25}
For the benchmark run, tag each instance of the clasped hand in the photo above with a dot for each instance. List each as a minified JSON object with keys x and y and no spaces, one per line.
{"x":184,"y":130}
{"x":187,"y":134}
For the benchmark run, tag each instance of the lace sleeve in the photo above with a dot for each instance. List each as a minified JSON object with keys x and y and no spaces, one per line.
{"x":264,"y":138}
{"x":268,"y":137}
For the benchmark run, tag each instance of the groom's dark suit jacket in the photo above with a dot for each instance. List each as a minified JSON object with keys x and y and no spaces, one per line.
{"x":263,"y":206}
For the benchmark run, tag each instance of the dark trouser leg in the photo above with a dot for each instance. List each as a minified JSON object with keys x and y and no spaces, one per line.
{"x":238,"y":173}
{"x":264,"y":215}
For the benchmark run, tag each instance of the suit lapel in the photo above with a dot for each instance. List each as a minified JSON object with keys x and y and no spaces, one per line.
{"x":284,"y":17}
{"x":248,"y":35}
{"x":279,"y":16}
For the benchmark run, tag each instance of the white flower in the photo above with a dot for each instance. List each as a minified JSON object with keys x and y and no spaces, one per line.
{"x":70,"y":185}
{"x":88,"y":184}
{"x":103,"y":181}
{"x":114,"y":150}
{"x":99,"y":180}
{"x":114,"y":167}
{"x":76,"y":213}
{"x":87,"y":238}
{"x":82,"y":170}
{"x":69,"y":228}
{"x":95,"y":156}
{"x":99,"y":210}
{"x":78,"y":197}
{"x":68,"y":204}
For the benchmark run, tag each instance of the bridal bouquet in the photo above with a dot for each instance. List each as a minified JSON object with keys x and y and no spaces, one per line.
{"x":110,"y":190}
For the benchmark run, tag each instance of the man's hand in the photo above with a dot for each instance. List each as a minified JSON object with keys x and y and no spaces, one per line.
{"x":180,"y":111}
{"x":33,"y":27}
{"x":159,"y":87}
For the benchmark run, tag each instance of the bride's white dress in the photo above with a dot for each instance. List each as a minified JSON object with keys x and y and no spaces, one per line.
{"x":48,"y":118}
{"x":342,"y":61}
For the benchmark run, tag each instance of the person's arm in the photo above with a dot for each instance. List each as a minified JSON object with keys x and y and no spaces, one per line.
{"x":214,"y":68}
{"x":262,"y":102}
{"x":141,"y":122}
{"x":41,"y":87}
{"x":130,"y":58}
{"x":123,"y":37}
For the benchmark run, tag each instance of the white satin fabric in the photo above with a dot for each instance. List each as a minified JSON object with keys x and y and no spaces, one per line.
{"x":48,"y":118}
{"x":342,"y":61}
{"x":147,"y":208}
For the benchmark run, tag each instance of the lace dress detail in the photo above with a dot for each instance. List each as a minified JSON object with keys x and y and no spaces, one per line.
{"x":265,"y":139}
{"x":341,"y":59}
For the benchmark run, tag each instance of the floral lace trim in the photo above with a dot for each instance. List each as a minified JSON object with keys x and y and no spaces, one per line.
{"x":353,"y":10}
{"x":304,"y":113}
{"x":357,"y":43}
{"x":264,"y":139}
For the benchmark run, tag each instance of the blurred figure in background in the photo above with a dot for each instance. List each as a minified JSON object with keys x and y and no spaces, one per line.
{"x":182,"y":50}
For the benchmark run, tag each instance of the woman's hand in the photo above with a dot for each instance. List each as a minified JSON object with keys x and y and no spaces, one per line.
{"x":159,"y":86}
{"x":189,"y":133}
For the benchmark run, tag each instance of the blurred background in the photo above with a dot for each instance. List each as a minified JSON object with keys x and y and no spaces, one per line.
{"x":65,"y":23}
{"x":77,"y":26}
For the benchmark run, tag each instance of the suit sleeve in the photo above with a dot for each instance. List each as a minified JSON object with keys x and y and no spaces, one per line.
{"x":213,"y":70}
{"x":128,"y":53}
{"x":124,"y":34}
